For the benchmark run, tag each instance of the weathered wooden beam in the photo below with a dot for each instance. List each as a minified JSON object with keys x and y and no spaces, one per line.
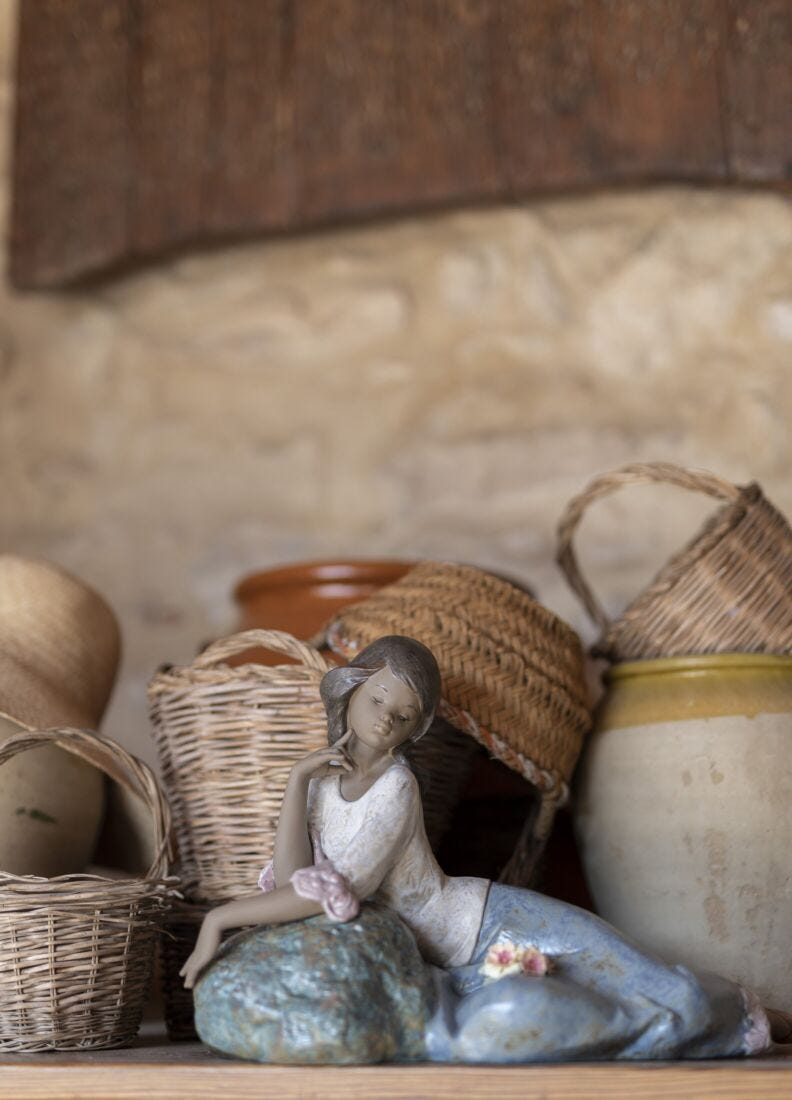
{"x":73,"y":175}
{"x":149,"y":125}
{"x":757,"y":90}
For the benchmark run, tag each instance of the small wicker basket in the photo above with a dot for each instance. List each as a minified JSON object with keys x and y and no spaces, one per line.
{"x":728,"y":590}
{"x":77,"y":951}
{"x":227,"y":739}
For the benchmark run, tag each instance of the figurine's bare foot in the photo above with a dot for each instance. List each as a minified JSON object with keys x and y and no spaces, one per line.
{"x":780,"y":1025}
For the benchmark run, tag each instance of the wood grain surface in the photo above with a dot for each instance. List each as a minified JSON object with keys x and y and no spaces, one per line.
{"x":769,"y":1079}
{"x":148,"y":125}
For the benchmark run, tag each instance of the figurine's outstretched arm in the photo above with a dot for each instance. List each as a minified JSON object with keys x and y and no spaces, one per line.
{"x":292,"y":849}
{"x":276,"y":907}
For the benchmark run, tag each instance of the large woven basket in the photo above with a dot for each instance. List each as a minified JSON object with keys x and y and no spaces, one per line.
{"x":77,"y":951}
{"x":728,"y":590}
{"x":513,"y":672}
{"x":227,"y":739}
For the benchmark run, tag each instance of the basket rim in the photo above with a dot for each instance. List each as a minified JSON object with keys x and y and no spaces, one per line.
{"x":226,"y":674}
{"x":210,"y":666}
{"x":80,"y":878}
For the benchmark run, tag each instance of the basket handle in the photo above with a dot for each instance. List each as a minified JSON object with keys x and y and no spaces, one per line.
{"x":638,"y":473}
{"x":275,"y":640}
{"x":121,"y":766}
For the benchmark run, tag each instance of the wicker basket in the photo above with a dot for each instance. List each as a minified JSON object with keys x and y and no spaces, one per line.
{"x":443,"y":761}
{"x":513,"y":673}
{"x":728,"y":590}
{"x":77,"y":951}
{"x":227,"y":739}
{"x":178,"y":940}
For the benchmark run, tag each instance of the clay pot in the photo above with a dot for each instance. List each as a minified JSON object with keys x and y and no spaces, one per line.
{"x":51,"y":806}
{"x":684,"y":816}
{"x":301,"y":598}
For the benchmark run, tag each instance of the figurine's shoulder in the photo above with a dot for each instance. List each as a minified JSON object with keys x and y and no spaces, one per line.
{"x":400,"y":777}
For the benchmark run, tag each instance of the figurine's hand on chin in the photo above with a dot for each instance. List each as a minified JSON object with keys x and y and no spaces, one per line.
{"x":325,"y":761}
{"x":205,"y":950}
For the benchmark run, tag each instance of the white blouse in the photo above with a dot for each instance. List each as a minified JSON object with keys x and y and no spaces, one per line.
{"x":378,"y":844}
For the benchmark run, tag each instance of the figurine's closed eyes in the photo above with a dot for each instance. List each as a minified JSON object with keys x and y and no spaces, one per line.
{"x":380,"y":702}
{"x":384,"y":711}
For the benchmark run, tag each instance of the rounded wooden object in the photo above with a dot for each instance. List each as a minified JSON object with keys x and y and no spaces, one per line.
{"x":684,"y":817}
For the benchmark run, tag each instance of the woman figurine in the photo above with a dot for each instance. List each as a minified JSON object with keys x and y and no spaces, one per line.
{"x":520,"y":977}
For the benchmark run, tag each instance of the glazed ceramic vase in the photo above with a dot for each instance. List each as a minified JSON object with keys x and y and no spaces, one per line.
{"x":684,"y":814}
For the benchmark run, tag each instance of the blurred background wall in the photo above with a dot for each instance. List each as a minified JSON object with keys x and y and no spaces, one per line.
{"x":437,"y":386}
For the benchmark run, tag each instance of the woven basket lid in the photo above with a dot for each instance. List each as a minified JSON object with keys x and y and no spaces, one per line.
{"x":513,"y":672}
{"x":59,"y":646}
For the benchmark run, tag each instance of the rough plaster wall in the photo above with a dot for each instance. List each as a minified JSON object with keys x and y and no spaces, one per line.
{"x":436,"y":387}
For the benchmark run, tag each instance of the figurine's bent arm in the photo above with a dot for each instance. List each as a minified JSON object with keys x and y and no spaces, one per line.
{"x":292,"y":849}
{"x":276,"y":907}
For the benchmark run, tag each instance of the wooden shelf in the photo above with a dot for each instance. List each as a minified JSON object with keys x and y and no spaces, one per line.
{"x":157,"y":1070}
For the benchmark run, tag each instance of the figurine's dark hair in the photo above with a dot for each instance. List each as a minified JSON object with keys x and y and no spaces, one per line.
{"x":409,"y":661}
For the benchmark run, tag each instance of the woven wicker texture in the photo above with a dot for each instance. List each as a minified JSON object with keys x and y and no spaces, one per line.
{"x":726,"y":590}
{"x":178,"y":940}
{"x":443,"y":761}
{"x":77,"y":951}
{"x":227,"y":739}
{"x":512,"y":671}
{"x":59,"y":646}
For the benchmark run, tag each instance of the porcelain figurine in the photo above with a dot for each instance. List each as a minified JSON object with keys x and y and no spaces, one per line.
{"x":518,"y":977}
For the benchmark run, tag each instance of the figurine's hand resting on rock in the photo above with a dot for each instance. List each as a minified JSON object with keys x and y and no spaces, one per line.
{"x":205,"y":949}
{"x":325,"y":761}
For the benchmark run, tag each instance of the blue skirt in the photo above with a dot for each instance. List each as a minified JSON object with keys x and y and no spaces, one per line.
{"x":605,"y":997}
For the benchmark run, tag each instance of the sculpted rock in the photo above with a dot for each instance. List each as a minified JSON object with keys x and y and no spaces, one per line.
{"x":318,"y":992}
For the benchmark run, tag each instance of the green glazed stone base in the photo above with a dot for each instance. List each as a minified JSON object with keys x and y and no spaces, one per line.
{"x":317,"y":992}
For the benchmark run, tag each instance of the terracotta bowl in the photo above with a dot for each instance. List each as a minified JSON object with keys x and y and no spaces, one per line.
{"x":301,"y":598}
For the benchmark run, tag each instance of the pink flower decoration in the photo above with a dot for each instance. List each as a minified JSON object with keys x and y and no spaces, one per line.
{"x":324,"y":884}
{"x":534,"y":963}
{"x":502,"y":959}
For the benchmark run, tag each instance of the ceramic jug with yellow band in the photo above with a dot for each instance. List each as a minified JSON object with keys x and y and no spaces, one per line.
{"x":684,"y":813}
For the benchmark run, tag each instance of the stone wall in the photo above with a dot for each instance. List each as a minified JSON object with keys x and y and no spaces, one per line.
{"x":431,"y":387}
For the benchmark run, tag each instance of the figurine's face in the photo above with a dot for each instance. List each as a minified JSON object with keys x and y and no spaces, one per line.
{"x":383,"y":711}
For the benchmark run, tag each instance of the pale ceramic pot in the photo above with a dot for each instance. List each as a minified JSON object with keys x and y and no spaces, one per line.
{"x":51,"y":806}
{"x":684,"y":814}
